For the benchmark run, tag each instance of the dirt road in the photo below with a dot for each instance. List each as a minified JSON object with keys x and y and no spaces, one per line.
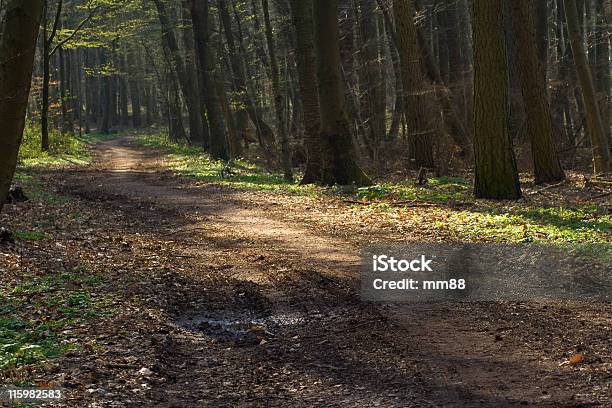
{"x":237,"y":298}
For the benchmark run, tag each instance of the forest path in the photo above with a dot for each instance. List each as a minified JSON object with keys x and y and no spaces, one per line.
{"x":258,"y":305}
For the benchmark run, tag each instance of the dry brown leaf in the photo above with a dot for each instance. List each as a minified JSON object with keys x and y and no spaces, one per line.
{"x":576,"y":359}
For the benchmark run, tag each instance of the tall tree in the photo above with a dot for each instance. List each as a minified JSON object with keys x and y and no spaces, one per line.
{"x":301,"y":11}
{"x":532,"y":78}
{"x":599,"y":142}
{"x":339,"y":164}
{"x":496,"y":176}
{"x":18,"y":34}
{"x":417,"y":93}
{"x":206,"y":57}
{"x":277,"y":92}
{"x":372,"y":83}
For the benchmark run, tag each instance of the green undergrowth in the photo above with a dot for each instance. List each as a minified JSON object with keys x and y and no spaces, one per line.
{"x":561,"y":225}
{"x":64,"y":149}
{"x":35,"y":189}
{"x":191,"y":161}
{"x":39,"y":315}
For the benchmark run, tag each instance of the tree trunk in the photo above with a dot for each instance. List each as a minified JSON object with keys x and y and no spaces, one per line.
{"x":201,"y":28}
{"x":372,"y":83}
{"x":417,"y":94}
{"x":532,"y":79}
{"x":339,"y":165}
{"x":18,"y":36}
{"x":541,"y":33}
{"x":134,"y":83}
{"x":301,"y":11}
{"x":599,"y":141}
{"x":278,"y":97}
{"x":496,"y":176}
{"x":238,"y":82}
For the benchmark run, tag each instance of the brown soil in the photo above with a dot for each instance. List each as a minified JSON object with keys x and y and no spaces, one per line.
{"x":239,"y":298}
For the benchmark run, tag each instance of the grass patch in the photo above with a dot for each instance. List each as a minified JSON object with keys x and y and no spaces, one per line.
{"x":194,"y":162}
{"x":438,"y":190}
{"x":37,"y":314}
{"x":30,"y":235}
{"x":545,"y":225}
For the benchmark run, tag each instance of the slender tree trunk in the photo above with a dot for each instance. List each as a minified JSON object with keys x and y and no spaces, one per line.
{"x":278,"y":97}
{"x":602,"y":71}
{"x":17,"y":47}
{"x":134,"y":83}
{"x":63,"y":84}
{"x":599,"y":142}
{"x":238,"y":82}
{"x":44,"y":109}
{"x":496,"y":175}
{"x":339,"y":165}
{"x":372,"y":83}
{"x":532,"y":78}
{"x":46,"y":60}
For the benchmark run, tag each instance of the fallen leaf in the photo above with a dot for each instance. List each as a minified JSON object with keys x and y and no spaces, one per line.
{"x":576,"y":359}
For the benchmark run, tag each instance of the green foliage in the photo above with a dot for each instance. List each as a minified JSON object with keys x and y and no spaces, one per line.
{"x":578,"y":225}
{"x":30,"y":235}
{"x":64,"y":149}
{"x":375,"y":192}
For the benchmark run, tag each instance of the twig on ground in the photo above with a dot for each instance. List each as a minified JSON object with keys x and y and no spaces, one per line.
{"x":601,"y":195}
{"x":403,"y":203}
{"x":540,"y":190}
{"x":182,"y":230}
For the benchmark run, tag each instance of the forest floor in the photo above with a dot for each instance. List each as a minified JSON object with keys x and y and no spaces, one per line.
{"x":130,"y":285}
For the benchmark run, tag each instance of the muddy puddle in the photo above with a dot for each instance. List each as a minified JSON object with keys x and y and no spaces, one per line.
{"x":245,"y":329}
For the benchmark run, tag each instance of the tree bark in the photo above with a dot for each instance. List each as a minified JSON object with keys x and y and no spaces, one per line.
{"x":373,"y":103}
{"x":496,"y":176}
{"x":339,"y":165}
{"x":417,"y":93}
{"x":201,"y":29}
{"x":301,"y":11}
{"x":18,"y":36}
{"x":532,"y":79}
